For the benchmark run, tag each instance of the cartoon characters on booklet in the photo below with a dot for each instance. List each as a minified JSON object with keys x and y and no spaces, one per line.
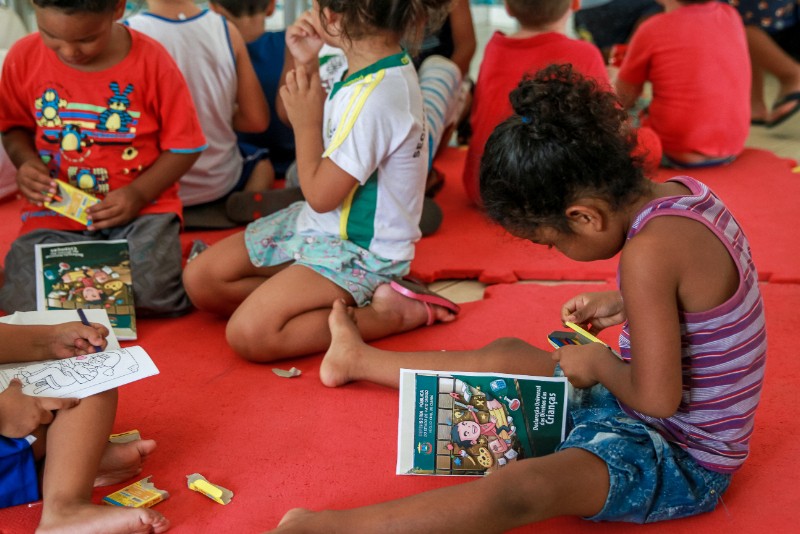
{"x":95,"y":287}
{"x":483,"y":436}
{"x":68,"y":372}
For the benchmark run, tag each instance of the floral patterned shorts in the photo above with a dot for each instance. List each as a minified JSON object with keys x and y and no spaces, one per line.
{"x":273,"y":241}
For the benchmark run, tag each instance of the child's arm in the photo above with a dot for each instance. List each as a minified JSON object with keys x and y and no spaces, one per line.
{"x":27,"y":343}
{"x":252,"y":111}
{"x":122,"y":205}
{"x":652,"y":382}
{"x":464,"y":43}
{"x":325,"y":185}
{"x":21,"y":414}
{"x":280,"y":108}
{"x":303,"y":44}
{"x":33,"y":177}
{"x":628,"y":93}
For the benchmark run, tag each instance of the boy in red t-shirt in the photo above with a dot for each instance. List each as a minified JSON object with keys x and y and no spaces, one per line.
{"x":92,"y":103}
{"x":695,"y":56}
{"x":540,"y":41}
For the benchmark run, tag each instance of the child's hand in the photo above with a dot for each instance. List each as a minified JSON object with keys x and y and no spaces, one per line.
{"x":599,"y":310}
{"x":303,"y":40}
{"x":22,"y":414}
{"x":119,"y":207}
{"x":578,"y":362}
{"x":75,"y":339}
{"x":34,"y":181}
{"x":304,"y":98}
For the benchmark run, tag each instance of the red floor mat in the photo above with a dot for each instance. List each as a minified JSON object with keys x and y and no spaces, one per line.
{"x":282,"y":443}
{"x":757,"y":187}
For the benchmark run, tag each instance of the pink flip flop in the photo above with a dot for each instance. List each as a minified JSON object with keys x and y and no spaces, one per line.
{"x":419,"y":292}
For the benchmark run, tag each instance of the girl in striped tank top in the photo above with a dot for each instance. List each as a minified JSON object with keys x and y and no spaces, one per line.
{"x":657,"y":432}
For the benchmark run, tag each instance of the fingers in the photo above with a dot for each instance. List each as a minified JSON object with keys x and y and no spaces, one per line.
{"x":301,"y":78}
{"x":15,"y":383}
{"x":291,"y":82}
{"x":52,"y":403}
{"x":35,"y":183}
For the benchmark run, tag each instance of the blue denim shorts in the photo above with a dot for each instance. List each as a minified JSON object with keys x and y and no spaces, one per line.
{"x":273,"y":240}
{"x":651,"y":479}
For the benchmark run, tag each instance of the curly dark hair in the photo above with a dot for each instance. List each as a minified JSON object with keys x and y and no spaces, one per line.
{"x":79,"y":6}
{"x":567,"y":139}
{"x":408,"y":19}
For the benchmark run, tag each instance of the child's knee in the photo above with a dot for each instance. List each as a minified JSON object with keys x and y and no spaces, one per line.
{"x":251,"y":340}
{"x":201,"y":283}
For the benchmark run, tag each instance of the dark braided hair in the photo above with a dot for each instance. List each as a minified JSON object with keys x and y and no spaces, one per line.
{"x":567,"y":139}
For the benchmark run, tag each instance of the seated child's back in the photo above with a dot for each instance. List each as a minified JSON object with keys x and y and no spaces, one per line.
{"x":540,"y":42}
{"x":211,"y":58}
{"x":695,"y":56}
{"x":268,"y":53}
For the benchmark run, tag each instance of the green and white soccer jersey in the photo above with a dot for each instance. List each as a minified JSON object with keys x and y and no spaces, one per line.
{"x":374,"y":129}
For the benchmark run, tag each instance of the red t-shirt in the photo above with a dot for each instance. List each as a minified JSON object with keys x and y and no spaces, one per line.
{"x":696,"y":59}
{"x":98,"y":130}
{"x":505,"y":61}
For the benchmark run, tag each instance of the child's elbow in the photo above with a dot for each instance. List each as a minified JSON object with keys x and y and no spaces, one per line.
{"x":660,"y":408}
{"x":251,"y":122}
{"x":321,"y":204}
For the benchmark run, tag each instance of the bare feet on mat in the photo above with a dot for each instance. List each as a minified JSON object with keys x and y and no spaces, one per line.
{"x":122,"y":461}
{"x":88,"y":518}
{"x":413,"y":309}
{"x":345,"y":349}
{"x":292,"y":516}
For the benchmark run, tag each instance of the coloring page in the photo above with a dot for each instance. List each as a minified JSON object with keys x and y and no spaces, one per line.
{"x":80,"y":376}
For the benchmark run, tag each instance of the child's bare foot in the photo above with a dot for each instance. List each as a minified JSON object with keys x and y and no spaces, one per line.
{"x":293,"y":517}
{"x":410,"y":313}
{"x":88,"y":518}
{"x":346,"y":347}
{"x":122,"y":461}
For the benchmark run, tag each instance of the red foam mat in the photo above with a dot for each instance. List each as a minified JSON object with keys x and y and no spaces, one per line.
{"x":280,"y":443}
{"x":758,"y":187}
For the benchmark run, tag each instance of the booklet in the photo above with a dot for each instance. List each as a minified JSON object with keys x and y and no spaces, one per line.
{"x":457,"y":423}
{"x":88,"y":275}
{"x":80,"y":376}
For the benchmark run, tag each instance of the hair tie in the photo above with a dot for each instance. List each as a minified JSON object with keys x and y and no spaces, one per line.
{"x":525,"y":119}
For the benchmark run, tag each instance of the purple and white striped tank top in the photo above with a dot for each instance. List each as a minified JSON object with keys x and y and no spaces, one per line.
{"x":724,"y":349}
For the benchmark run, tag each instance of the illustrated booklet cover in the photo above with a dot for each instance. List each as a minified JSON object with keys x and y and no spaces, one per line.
{"x":455,"y":423}
{"x":88,"y":275}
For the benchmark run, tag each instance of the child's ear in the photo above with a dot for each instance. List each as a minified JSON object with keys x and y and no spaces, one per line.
{"x":119,"y":11}
{"x":270,"y":9}
{"x":331,"y":19}
{"x":586,"y":216}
